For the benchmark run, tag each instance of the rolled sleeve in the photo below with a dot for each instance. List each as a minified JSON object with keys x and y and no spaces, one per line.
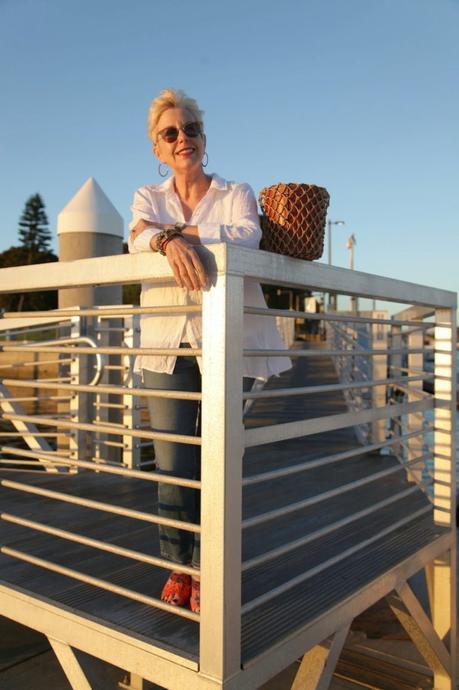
{"x":142,"y":209}
{"x":142,"y":241}
{"x":245,"y":228}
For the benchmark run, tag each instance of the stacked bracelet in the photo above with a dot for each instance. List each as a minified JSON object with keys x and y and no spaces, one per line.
{"x":164,"y":237}
{"x":165,"y":242}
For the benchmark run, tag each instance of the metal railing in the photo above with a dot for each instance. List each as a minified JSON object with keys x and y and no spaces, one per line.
{"x":379,"y":375}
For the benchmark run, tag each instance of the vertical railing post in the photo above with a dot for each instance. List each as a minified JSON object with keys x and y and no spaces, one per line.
{"x":99,"y":400}
{"x":221,"y":475}
{"x":395,"y":371}
{"x":415,"y":340}
{"x":131,"y":405}
{"x":443,"y":585}
{"x":378,"y":371}
{"x":79,"y":443}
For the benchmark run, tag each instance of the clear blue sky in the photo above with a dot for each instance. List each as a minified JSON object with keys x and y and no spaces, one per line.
{"x":360,"y":96}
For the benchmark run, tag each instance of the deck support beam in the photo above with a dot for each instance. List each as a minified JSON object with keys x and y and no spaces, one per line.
{"x":318,"y":664}
{"x":132,"y":682}
{"x":70,"y":665}
{"x":419,"y":627}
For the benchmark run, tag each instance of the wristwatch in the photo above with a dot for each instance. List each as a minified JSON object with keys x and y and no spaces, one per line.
{"x":180,"y":227}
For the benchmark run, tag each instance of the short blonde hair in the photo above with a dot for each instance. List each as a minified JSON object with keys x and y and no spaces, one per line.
{"x":171,"y":98}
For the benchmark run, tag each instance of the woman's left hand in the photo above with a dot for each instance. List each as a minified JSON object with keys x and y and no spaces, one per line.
{"x":189,"y":271}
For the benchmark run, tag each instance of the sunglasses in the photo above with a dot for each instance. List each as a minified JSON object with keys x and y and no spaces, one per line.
{"x":170,"y":134}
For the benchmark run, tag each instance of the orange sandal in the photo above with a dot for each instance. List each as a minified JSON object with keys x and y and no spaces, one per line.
{"x":195,"y":599}
{"x":177,"y":590}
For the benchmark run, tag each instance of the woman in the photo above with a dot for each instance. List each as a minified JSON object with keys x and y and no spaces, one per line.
{"x":188,"y":209}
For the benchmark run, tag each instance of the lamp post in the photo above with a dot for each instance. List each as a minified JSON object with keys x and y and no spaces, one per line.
{"x":332,"y":303}
{"x":351,"y":242}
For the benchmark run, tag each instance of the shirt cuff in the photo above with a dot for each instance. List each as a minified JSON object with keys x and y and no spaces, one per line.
{"x":142,"y":241}
{"x":209,"y":233}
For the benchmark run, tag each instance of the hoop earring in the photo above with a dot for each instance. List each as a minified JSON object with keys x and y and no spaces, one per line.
{"x":204,"y":165}
{"x":162,"y":174}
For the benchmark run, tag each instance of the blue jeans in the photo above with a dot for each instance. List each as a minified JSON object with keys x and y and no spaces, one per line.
{"x":178,"y":459}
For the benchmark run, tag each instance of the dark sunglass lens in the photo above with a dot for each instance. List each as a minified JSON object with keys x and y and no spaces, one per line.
{"x":170,"y":134}
{"x":192,"y":129}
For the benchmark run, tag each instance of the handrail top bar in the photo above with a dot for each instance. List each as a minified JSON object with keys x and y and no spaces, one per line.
{"x":221,"y":258}
{"x":268,"y":267}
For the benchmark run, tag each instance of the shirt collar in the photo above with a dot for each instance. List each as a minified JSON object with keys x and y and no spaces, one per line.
{"x":217,"y":183}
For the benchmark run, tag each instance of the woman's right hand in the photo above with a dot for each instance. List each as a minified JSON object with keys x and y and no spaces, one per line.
{"x":189,"y":271}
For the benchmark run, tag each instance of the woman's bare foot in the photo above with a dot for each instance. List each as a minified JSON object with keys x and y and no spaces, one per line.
{"x":177,"y":590}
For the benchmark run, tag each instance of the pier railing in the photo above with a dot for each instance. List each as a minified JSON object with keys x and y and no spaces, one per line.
{"x":403,"y":431}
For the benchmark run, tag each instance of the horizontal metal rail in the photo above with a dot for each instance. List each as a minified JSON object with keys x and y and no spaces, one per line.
{"x":38,"y":398}
{"x":58,"y":379}
{"x":21,"y":331}
{"x":413,"y":391}
{"x":44,"y":434}
{"x":102,"y":584}
{"x":104,"y":428}
{"x":324,"y":496}
{"x":110,"y":425}
{"x":98,"y":544}
{"x":23,"y":470}
{"x":173,"y":352}
{"x":197,"y":352}
{"x":183,"y":395}
{"x":402,"y":442}
{"x":317,"y":425}
{"x":10,"y":461}
{"x":328,"y":388}
{"x":103,"y":312}
{"x":331,"y":353}
{"x":327,"y":460}
{"x":281,"y":589}
{"x":112,"y":444}
{"x":425,"y":374}
{"x":37,"y":363}
{"x":104,"y":467}
{"x":111,"y":406}
{"x":99,"y":505}
{"x":330,"y":316}
{"x":323,"y":531}
{"x":438,"y":481}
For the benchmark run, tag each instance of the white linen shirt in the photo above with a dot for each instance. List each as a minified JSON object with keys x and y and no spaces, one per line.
{"x":227,"y":213}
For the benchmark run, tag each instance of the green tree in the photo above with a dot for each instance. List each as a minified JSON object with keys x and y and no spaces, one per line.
{"x":131,"y":293}
{"x":34,"y":234}
{"x":35,"y":239}
{"x":26,"y":301}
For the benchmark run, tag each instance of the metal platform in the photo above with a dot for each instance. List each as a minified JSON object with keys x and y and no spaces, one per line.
{"x":329,"y":500}
{"x":386,"y":545}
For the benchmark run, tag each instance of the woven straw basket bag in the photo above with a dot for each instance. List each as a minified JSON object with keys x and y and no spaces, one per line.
{"x":293,"y":220}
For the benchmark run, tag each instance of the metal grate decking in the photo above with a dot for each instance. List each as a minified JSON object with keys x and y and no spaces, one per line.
{"x":268,"y":623}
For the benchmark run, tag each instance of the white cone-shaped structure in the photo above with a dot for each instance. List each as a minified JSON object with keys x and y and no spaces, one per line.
{"x":90,"y":210}
{"x":87,"y":227}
